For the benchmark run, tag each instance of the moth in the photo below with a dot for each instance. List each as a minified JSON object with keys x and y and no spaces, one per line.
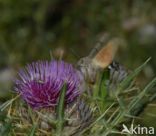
{"x":102,"y":57}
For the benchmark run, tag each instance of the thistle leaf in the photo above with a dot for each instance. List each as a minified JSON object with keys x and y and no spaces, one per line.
{"x":60,"y":110}
{"x":131,"y":77}
{"x":138,"y":98}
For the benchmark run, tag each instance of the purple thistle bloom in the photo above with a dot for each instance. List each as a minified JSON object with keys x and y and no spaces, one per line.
{"x":40,"y":83}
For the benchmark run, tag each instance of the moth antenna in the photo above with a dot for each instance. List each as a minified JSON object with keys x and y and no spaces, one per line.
{"x":75,"y":55}
{"x":106,"y":55}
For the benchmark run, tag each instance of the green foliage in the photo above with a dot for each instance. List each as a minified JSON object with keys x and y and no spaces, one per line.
{"x":32,"y":132}
{"x":129,"y":80}
{"x":60,"y":110}
{"x":123,"y":108}
{"x":109,"y":112}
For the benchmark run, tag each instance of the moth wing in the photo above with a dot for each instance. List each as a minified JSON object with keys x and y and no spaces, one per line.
{"x":105,"y":56}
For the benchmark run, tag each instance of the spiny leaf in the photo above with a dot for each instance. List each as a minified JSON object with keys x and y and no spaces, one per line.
{"x":143,"y":93}
{"x":60,"y":110}
{"x":131,"y":77}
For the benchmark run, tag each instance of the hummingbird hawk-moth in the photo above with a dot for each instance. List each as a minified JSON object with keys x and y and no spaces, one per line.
{"x":100,"y":58}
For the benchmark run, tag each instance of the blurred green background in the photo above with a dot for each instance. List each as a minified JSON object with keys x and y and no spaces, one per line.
{"x":33,"y":29}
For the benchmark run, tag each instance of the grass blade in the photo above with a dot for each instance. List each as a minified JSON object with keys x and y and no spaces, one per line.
{"x":7,"y":103}
{"x":32,"y":132}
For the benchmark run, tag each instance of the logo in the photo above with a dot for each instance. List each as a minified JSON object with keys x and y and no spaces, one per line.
{"x":137,"y":130}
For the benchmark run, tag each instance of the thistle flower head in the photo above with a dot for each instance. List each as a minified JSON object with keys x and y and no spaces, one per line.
{"x":40,"y":83}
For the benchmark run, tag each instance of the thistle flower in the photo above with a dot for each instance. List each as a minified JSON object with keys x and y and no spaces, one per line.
{"x":40,"y":83}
